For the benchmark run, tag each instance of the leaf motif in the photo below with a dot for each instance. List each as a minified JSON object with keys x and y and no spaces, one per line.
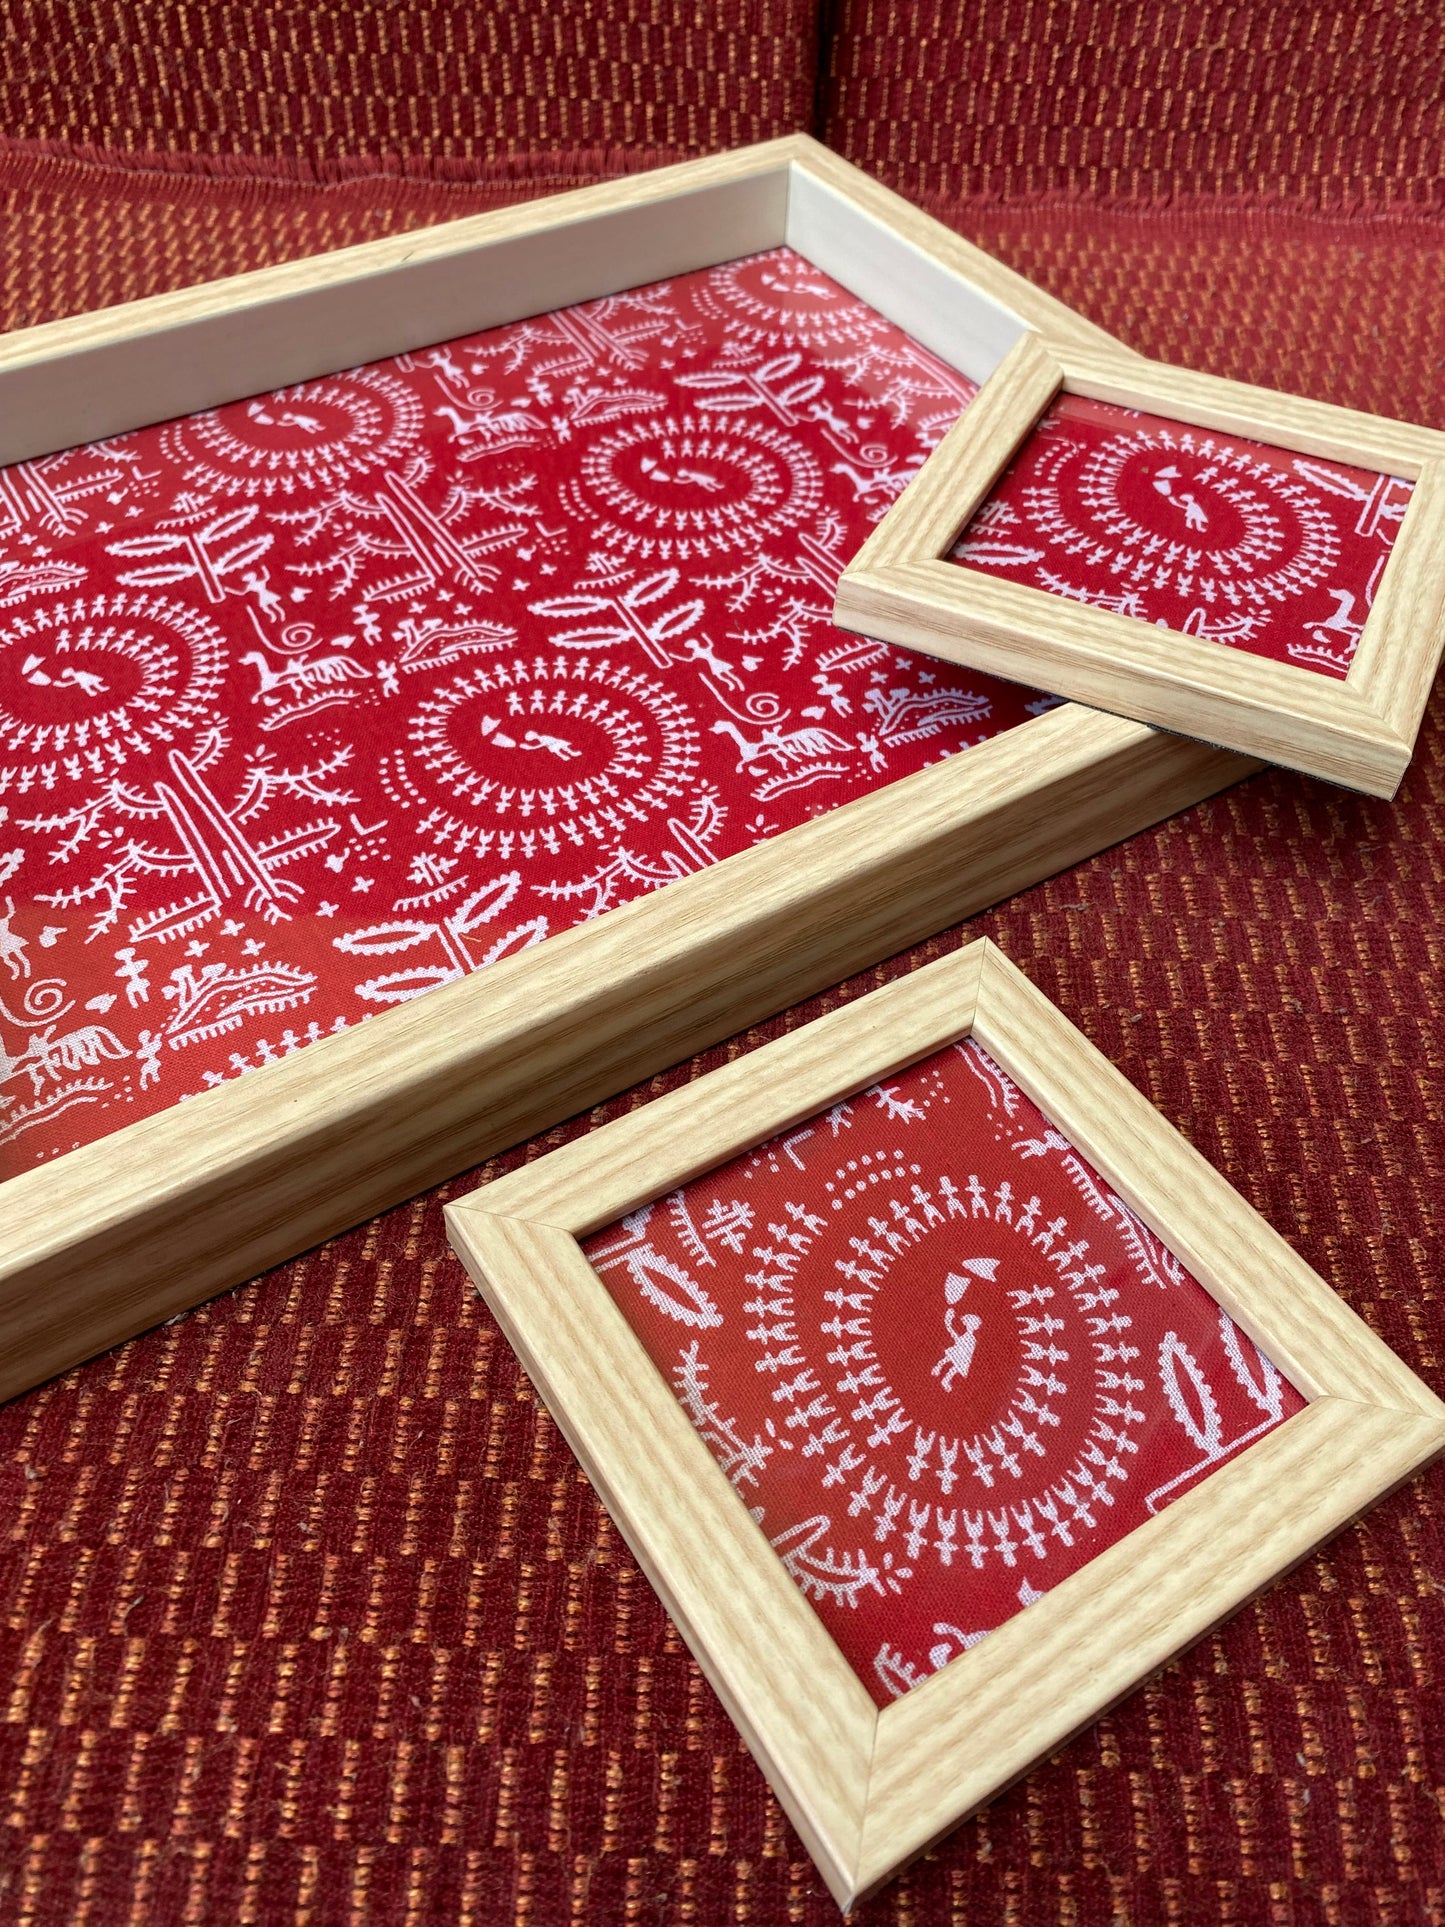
{"x":398,"y":986}
{"x":521,"y":938}
{"x":652,"y":588}
{"x":567,"y":607}
{"x":676,"y":622}
{"x":146,"y":545}
{"x":484,"y":904}
{"x":241,"y":556}
{"x":157,"y":578}
{"x":998,"y":555}
{"x":384,"y":939}
{"x":226,"y":526}
{"x":590,"y":638}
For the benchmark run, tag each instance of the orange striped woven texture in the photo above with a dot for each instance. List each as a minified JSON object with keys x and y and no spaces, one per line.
{"x":307,"y":1614}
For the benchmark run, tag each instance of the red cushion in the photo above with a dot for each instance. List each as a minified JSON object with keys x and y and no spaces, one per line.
{"x":428,"y":79}
{"x":1293,"y":102}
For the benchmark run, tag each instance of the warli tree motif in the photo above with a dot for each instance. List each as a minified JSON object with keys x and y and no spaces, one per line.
{"x":318,"y":700}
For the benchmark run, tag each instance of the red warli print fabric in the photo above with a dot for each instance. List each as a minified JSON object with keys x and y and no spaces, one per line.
{"x":317,"y":701}
{"x":1211,"y":534}
{"x":942,"y":1361}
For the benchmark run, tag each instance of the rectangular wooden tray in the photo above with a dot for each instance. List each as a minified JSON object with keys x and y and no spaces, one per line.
{"x":166,"y":1211}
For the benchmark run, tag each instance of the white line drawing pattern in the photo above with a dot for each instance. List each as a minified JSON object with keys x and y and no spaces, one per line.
{"x":944,"y":1363}
{"x":1213,"y":535}
{"x":316,"y":701}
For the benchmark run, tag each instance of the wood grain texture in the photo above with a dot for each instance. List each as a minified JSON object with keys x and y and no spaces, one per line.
{"x":168,"y":1211}
{"x":1264,"y":1285}
{"x":596,"y":1180}
{"x":873,"y":1796}
{"x":1277,"y":711}
{"x":1399,"y":649}
{"x":1238,"y":408}
{"x":796,"y":1700}
{"x":1359,"y":732}
{"x":1044,"y":1675}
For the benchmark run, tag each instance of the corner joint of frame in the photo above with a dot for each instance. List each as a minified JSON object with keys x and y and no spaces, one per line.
{"x":996,"y":969}
{"x":977,"y":956}
{"x":506,"y":1214}
{"x":867,"y":576}
{"x":800,"y":149}
{"x":1407,"y":1398}
{"x":1043,"y":356}
{"x":1388,"y":746}
{"x":457,"y":1209}
{"x":466,"y":1214}
{"x":859,"y":1877}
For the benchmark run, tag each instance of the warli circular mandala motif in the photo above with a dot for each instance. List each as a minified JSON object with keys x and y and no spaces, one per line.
{"x":301,"y":440}
{"x":568,"y":754}
{"x":88,"y":684}
{"x":943,"y":1362}
{"x":1176,"y":508}
{"x":677,"y":489}
{"x":781,"y":300}
{"x":951,"y":1399}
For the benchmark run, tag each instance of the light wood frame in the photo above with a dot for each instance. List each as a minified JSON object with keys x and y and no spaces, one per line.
{"x":1359,"y":732}
{"x":869,"y":1790}
{"x":175,"y":1207}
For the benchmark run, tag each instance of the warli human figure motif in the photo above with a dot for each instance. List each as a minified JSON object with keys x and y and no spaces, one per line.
{"x":318,"y":700}
{"x":1208,"y":534}
{"x":943,"y":1363}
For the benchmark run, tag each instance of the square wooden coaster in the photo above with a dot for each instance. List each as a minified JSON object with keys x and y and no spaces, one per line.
{"x":1052,"y":1254}
{"x":1240,"y":566}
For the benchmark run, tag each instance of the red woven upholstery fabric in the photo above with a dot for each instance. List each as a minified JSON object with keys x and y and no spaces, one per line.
{"x":1311,"y":105}
{"x":88,"y":232}
{"x":307,"y":1614}
{"x":428,"y":79}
